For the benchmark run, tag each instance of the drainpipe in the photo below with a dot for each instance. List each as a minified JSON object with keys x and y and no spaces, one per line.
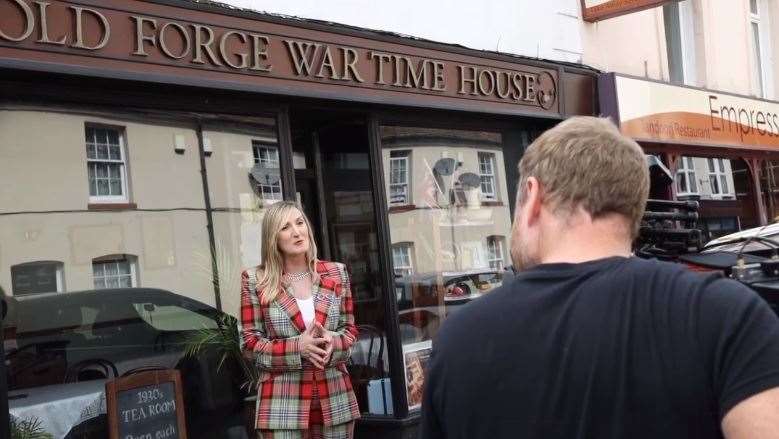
{"x":209,"y":217}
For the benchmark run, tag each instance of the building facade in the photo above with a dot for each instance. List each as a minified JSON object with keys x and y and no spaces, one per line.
{"x":696,"y":72}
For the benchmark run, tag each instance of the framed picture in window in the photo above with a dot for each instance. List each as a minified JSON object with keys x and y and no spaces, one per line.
{"x":415,"y":359}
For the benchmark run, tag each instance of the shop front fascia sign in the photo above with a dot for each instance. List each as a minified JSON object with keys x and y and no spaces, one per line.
{"x":664,"y":113}
{"x":199,"y":47}
{"x":596,"y":10}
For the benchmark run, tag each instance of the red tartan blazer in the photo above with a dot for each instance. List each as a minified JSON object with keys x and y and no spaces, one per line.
{"x":271,"y":332}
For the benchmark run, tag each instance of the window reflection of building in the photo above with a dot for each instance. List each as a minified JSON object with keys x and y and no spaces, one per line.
{"x":448,"y":227}
{"x":401,"y":258}
{"x":399,"y":170}
{"x":116,"y":271}
{"x":106,"y":164}
{"x":37,"y":277}
{"x":102,"y":200}
{"x":718,"y":181}
{"x":686,"y":180}
{"x":487,"y":175}
{"x":267,"y":157}
{"x":495,"y":252}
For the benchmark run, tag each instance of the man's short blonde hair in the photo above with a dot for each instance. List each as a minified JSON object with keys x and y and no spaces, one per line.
{"x":586,"y":162}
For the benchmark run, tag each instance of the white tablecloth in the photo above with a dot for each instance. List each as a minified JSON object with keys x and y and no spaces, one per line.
{"x":59,"y":407}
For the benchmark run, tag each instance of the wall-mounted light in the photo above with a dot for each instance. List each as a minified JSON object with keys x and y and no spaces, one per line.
{"x":207,"y":147}
{"x":179,"y":143}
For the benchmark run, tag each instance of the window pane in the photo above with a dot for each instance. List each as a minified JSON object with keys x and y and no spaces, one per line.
{"x":103,"y":187}
{"x":758,"y":56}
{"x":693,"y":183}
{"x":724,"y":184}
{"x":114,"y":152}
{"x":714,"y":184}
{"x":441,"y":255}
{"x":102,"y":170}
{"x":753,"y":6}
{"x":113,"y":137}
{"x":34,"y":277}
{"x":102,"y":151}
{"x":681,"y":182}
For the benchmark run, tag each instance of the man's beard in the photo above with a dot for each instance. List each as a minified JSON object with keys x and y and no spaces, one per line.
{"x":522,"y":257}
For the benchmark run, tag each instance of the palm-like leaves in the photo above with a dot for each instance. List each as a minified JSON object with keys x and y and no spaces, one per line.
{"x":28,"y":429}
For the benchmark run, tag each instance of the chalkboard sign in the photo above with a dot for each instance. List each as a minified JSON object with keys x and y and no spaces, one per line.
{"x":146,"y":405}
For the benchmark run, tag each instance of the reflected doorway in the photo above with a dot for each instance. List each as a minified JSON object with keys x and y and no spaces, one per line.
{"x":333,"y":184}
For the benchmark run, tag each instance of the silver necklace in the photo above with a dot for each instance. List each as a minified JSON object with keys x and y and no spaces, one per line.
{"x":297,"y":277}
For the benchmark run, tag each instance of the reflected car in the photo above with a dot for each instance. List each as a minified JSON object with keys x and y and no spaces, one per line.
{"x":57,"y":339}
{"x":420,"y":309}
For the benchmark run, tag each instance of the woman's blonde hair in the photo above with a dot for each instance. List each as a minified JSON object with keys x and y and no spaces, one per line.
{"x":270,"y":272}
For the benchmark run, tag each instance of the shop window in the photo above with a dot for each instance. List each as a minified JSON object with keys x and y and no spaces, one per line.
{"x":268,"y":178}
{"x":402,"y":258}
{"x":106,"y":165}
{"x":116,"y":271}
{"x":680,"y":38}
{"x":487,"y":176}
{"x":718,"y":177}
{"x":495,"y":252}
{"x":399,"y":177}
{"x":451,"y":252}
{"x":762,"y":73}
{"x":37,"y":277}
{"x":686,"y":180}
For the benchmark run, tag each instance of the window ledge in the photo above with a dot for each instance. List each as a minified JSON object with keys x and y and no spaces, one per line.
{"x":112,"y":206}
{"x":403,"y":208}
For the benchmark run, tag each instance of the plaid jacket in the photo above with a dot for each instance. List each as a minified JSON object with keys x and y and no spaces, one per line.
{"x":272,"y":330}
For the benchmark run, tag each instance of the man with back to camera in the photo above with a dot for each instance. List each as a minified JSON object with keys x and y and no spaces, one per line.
{"x":590,"y":342}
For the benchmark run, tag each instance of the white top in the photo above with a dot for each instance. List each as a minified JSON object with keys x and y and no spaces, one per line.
{"x":306,"y":307}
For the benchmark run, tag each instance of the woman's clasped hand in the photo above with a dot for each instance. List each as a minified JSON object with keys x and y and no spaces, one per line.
{"x":316,"y":345}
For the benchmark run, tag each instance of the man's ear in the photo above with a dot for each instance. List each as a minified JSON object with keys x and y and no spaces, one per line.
{"x":533,"y":199}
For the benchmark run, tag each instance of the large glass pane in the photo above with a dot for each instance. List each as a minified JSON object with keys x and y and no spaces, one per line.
{"x":445,"y":249}
{"x":69,"y":330}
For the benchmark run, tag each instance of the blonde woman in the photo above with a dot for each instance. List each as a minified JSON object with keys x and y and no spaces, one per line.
{"x":298,"y":327}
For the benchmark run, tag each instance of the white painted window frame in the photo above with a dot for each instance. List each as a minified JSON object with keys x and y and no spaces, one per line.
{"x":99,"y":199}
{"x":684,"y":168}
{"x":394,"y":161}
{"x":132,"y":260}
{"x":491,"y":160}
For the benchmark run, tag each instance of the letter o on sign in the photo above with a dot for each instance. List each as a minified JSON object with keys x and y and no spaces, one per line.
{"x":29,"y":25}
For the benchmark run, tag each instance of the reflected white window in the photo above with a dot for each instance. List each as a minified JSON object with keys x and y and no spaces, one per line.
{"x":680,"y":27}
{"x":686,"y":181}
{"x":762,"y":75}
{"x":267,"y":157}
{"x":399,"y":181}
{"x":718,"y":178}
{"x":401,"y":258}
{"x":106,"y":164}
{"x":117,"y":271}
{"x":495,"y":252}
{"x":37,"y":277}
{"x":487,"y":176}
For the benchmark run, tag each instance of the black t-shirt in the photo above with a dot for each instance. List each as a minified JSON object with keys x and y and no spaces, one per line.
{"x":613,"y":348}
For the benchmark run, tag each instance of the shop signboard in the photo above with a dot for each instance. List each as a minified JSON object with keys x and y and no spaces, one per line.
{"x":658,"y":112}
{"x":146,"y":405}
{"x":595,"y":10}
{"x":163,"y":43}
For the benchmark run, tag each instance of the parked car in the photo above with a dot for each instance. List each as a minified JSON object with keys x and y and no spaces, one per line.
{"x":57,"y":339}
{"x":421,"y":308}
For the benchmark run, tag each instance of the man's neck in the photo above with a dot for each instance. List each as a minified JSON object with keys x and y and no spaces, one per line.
{"x":582,"y":239}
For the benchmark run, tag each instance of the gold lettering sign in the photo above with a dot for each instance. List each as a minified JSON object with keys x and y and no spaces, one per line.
{"x":194,"y":45}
